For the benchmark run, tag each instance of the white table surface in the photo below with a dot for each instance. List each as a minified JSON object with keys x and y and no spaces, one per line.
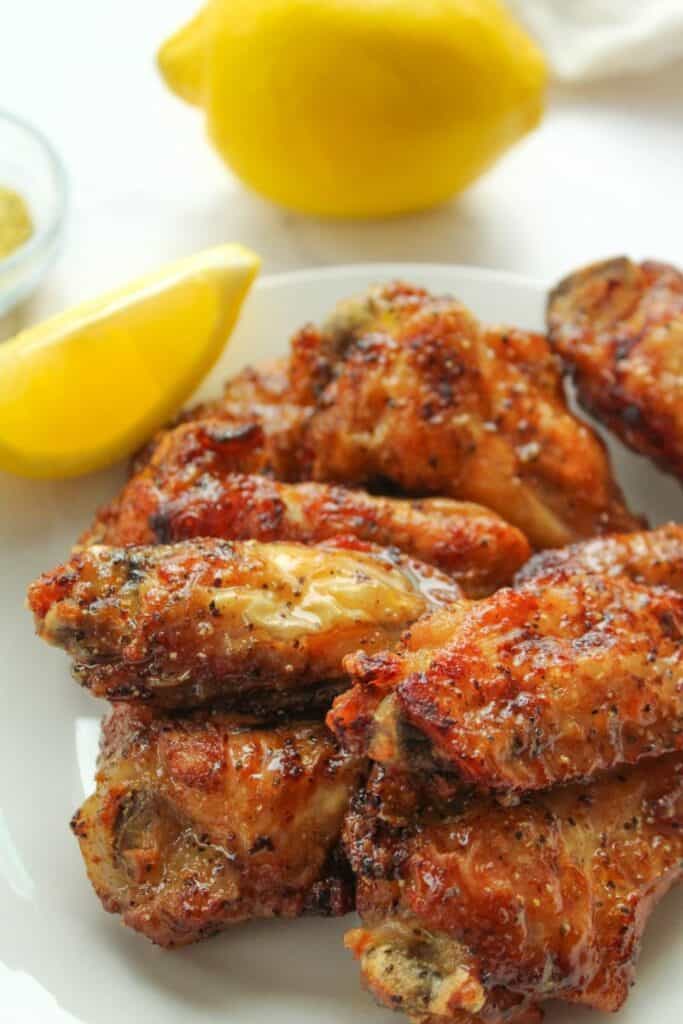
{"x":601,"y":176}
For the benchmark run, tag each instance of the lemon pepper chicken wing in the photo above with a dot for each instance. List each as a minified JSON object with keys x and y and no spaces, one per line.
{"x":182,"y":624}
{"x":478,"y":914}
{"x":192,"y":486}
{"x":208,"y":819}
{"x":647,"y":556}
{"x":618,"y":326}
{"x":553,"y":681}
{"x":412,"y":390}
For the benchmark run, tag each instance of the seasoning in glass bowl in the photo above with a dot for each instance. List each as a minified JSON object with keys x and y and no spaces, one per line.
{"x":16,"y":225}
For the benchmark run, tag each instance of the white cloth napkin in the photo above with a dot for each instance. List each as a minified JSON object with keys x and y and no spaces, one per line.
{"x":590,"y":39}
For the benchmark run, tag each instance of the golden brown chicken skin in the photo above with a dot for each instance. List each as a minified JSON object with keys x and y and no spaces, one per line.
{"x":411,"y":390}
{"x":185,"y":463}
{"x":182,"y":624}
{"x":202,"y":481}
{"x":647,"y":556}
{"x":261,"y":396}
{"x":208,"y":819}
{"x":255,"y":419}
{"x":550,"y":682}
{"x":618,"y":327}
{"x":478,"y":914}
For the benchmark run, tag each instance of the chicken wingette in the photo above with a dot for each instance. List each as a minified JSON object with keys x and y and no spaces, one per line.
{"x":182,"y":624}
{"x":480,"y":913}
{"x":207,"y":819}
{"x":552,"y":681}
{"x":409,"y":390}
{"x":618,"y":327}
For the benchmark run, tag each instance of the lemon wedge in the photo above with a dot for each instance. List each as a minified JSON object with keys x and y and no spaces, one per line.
{"x":85,"y":388}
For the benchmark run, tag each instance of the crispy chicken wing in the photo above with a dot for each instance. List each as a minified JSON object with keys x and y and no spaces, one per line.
{"x":649,"y":556}
{"x":480,"y":913}
{"x":412,"y":390}
{"x":553,"y":681}
{"x":618,"y":327}
{"x":181,"y":624}
{"x":199,"y":483}
{"x":208,"y":819}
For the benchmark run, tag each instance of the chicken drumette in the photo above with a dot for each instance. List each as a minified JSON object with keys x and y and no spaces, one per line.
{"x":207,"y":819}
{"x":618,"y":327}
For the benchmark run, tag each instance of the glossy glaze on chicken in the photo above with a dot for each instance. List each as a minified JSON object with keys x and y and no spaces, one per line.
{"x":179,"y":625}
{"x":555,"y":680}
{"x":482,"y":912}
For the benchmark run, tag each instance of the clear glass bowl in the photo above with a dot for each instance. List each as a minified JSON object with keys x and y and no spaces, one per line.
{"x":30,"y":165}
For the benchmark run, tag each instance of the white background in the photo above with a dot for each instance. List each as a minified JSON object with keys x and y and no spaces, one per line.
{"x":603,"y":174}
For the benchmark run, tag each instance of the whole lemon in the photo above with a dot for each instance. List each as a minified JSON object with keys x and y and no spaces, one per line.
{"x":358,"y":108}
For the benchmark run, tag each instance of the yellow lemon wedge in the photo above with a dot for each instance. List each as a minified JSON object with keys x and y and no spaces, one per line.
{"x":87,"y":387}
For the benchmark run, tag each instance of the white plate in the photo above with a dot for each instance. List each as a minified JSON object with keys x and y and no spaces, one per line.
{"x":61,"y":957}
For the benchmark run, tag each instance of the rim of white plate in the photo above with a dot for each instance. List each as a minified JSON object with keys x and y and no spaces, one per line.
{"x":341,"y":270}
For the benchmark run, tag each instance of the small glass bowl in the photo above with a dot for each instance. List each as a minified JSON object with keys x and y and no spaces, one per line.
{"x":30,"y":166}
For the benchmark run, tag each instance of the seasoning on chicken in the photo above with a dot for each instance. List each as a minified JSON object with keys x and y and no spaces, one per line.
{"x":413,"y":391}
{"x":179,"y":625}
{"x":649,"y":556}
{"x":479,"y":914}
{"x":201,"y":482}
{"x":553,"y":681}
{"x":256,"y":406}
{"x":208,"y":819}
{"x":618,"y":327}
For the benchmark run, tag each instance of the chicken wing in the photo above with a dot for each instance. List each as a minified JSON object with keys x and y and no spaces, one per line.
{"x":410,"y":389}
{"x":179,"y":625}
{"x":618,"y":327}
{"x":550,"y":682}
{"x":199,"y":483}
{"x":480,"y":913}
{"x":649,"y":556}
{"x":204,"y":820}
